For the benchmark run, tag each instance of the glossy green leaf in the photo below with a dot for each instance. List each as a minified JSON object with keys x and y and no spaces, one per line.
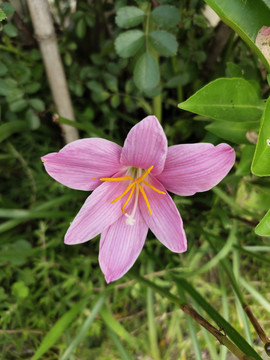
{"x":57,"y":330}
{"x":263,"y":228}
{"x":129,"y":43}
{"x":146,"y":72}
{"x":129,"y":16}
{"x":245,"y":17}
{"x":163,"y":42}
{"x":167,"y":16}
{"x":233,"y":131}
{"x":261,"y":164}
{"x":226,"y":99}
{"x":247,"y":153}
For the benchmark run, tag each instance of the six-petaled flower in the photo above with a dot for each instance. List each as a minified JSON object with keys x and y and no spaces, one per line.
{"x":130,"y":187}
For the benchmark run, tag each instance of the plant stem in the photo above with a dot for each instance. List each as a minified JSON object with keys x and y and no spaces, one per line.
{"x":189,"y":310}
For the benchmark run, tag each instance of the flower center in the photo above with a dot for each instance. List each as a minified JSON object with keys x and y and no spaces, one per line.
{"x":134,"y":186}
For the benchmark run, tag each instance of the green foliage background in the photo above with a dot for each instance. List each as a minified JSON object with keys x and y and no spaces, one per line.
{"x":121,"y":65}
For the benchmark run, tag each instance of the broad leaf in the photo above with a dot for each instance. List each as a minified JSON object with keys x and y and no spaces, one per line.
{"x":226,"y":99}
{"x":146,"y":72}
{"x":129,"y":16}
{"x":261,"y":161}
{"x":129,"y":42}
{"x":246,"y":17}
{"x":166,"y":16}
{"x":263,"y":228}
{"x":163,"y":42}
{"x":233,"y":131}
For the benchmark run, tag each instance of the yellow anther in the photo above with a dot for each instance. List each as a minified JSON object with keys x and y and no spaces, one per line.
{"x":153,"y":188}
{"x":131,"y":187}
{"x":43,"y":160}
{"x":145,"y":198}
{"x":129,"y":197}
{"x":123,"y":178}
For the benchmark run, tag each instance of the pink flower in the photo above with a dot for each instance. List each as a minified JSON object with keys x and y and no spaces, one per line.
{"x":129,"y":189}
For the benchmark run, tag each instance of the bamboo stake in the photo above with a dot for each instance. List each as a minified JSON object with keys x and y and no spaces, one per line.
{"x":45,"y":34}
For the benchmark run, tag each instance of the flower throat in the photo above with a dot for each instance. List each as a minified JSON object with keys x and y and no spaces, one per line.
{"x":134,"y":187}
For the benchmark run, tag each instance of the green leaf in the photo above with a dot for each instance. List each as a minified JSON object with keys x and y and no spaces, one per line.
{"x":80,"y":29}
{"x":129,"y":43}
{"x":3,"y":15}
{"x":263,"y":228}
{"x":32,"y":119}
{"x":8,"y":9}
{"x":247,"y":153}
{"x":146,"y":72}
{"x":226,"y":99}
{"x":6,"y":86}
{"x":163,"y":42}
{"x":116,"y":327}
{"x":233,"y":131}
{"x":261,"y":163}
{"x":244,"y":17}
{"x":166,"y":16}
{"x":129,"y":16}
{"x":37,"y":104}
{"x":111,"y":82}
{"x":20,"y":290}
{"x":18,"y":105}
{"x":57,"y":330}
{"x":8,"y":129}
{"x":10,"y":30}
{"x":32,"y":87}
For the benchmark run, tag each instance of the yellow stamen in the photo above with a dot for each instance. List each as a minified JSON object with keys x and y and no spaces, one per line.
{"x":145,"y":198}
{"x":129,"y":197}
{"x":140,"y":179}
{"x":123,"y":178}
{"x":43,"y":160}
{"x":153,"y":188}
{"x":124,"y":193}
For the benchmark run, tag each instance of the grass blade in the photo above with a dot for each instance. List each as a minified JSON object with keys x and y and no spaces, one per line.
{"x":83,"y":330}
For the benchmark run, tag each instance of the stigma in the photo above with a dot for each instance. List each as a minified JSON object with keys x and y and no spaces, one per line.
{"x":136,"y":188}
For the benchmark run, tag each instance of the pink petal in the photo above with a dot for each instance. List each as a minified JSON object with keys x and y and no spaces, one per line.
{"x":80,"y":164}
{"x":194,"y":168}
{"x":120,"y":245}
{"x":97,"y":213}
{"x":145,"y":146}
{"x":165,"y":221}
